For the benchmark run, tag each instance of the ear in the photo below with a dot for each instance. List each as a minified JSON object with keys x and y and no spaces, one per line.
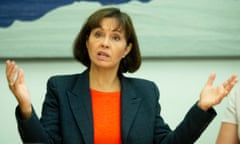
{"x":128,"y":49}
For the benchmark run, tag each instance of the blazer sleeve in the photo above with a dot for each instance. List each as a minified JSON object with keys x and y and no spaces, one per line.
{"x":30,"y":130}
{"x":46,"y":129}
{"x":188,"y":131}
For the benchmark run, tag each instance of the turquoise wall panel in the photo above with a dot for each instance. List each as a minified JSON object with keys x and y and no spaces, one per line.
{"x":165,"y":29}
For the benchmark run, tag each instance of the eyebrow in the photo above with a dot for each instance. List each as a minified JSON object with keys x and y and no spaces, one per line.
{"x":118,"y":29}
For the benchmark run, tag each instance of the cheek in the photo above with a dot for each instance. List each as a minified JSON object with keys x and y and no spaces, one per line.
{"x":121,"y":49}
{"x":93,"y":44}
{"x":89,"y":45}
{"x":89,"y":50}
{"x":120,"y":54}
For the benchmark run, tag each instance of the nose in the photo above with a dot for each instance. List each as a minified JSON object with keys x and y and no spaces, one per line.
{"x":106,"y":42}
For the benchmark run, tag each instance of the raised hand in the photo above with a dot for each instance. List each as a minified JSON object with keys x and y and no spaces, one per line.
{"x":15,"y":78}
{"x":211,"y":96}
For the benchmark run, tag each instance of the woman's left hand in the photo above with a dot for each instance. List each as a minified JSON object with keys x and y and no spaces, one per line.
{"x":211,"y":96}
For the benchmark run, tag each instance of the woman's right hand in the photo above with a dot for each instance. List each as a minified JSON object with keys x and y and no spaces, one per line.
{"x":15,"y":78}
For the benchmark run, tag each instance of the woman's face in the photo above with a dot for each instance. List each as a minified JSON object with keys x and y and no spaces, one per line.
{"x":107,"y":44}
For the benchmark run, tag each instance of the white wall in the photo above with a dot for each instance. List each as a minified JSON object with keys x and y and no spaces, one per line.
{"x":180,"y":82}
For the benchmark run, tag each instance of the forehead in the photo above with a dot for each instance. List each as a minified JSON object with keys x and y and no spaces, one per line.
{"x":111,"y":24}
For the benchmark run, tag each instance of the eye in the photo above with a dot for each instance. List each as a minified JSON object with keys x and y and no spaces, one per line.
{"x":98,"y":34}
{"x":116,"y":38}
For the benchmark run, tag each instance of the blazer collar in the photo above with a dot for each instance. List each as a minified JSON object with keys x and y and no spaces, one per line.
{"x":130,"y":103}
{"x":80,"y":102}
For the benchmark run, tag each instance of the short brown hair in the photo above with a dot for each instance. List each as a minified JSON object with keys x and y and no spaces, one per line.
{"x":132,"y":61}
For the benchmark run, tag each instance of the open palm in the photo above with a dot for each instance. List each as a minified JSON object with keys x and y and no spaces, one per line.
{"x":211,"y":96}
{"x":15,"y":78}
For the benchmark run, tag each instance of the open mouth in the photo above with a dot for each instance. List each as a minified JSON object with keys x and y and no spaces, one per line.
{"x":102,"y":54}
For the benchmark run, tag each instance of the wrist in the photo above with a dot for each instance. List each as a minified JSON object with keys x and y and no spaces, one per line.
{"x":26,"y":110}
{"x":202,"y":106}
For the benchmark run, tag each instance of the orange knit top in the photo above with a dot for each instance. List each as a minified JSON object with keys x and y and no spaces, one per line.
{"x":106,"y":117}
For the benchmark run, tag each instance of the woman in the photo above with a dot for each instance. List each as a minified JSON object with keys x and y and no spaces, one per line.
{"x":101,"y":105}
{"x":229,"y":131}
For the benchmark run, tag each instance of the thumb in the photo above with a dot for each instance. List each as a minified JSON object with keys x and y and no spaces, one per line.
{"x":211,"y":79}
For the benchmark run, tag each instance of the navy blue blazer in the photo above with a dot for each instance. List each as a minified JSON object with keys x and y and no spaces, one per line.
{"x":67,"y":115}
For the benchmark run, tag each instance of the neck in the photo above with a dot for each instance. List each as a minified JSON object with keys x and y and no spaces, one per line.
{"x":104,"y":80}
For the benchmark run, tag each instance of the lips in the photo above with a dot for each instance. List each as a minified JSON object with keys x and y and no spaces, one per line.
{"x":102,"y":54}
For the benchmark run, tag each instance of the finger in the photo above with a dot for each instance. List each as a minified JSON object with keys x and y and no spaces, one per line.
{"x":211,"y":79}
{"x":12,"y":75}
{"x":229,"y":84}
{"x":234,"y":79}
{"x":11,"y":69}
{"x":20,"y":76}
{"x":8,"y":67}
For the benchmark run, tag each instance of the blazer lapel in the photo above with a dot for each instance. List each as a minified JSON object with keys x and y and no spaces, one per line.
{"x":129,"y":106}
{"x":80,"y":102}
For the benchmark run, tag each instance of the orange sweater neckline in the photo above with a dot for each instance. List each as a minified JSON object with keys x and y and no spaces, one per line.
{"x":106,"y":117}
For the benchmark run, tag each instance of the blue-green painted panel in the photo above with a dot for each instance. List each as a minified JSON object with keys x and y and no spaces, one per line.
{"x":170,"y":28}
